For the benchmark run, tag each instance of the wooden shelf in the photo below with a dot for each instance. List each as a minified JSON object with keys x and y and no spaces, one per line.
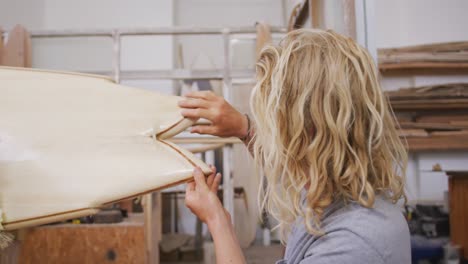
{"x":432,"y":118}
{"x":423,"y":66}
{"x":446,"y":57}
{"x":437,"y":143}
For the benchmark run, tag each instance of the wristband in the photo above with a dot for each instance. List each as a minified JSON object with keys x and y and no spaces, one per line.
{"x":244,"y":138}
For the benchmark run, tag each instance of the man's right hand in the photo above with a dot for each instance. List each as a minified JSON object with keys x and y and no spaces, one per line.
{"x":225,"y":120}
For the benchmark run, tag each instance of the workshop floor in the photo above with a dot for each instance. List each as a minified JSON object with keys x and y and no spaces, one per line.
{"x":254,"y":255}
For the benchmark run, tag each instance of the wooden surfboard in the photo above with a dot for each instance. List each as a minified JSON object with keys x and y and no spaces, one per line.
{"x":71,"y":143}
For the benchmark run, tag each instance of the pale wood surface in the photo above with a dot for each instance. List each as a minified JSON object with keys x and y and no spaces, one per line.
{"x":71,"y":143}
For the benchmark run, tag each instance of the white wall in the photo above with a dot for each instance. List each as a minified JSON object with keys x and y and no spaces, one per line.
{"x":414,"y":22}
{"x":95,"y":54}
{"x":26,"y":12}
{"x":207,"y":51}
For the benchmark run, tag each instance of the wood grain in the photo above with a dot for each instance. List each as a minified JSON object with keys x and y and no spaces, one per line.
{"x":86,"y":243}
{"x":450,"y":55}
{"x":458,"y":202}
{"x":432,"y":118}
{"x":437,"y":143}
{"x":89,"y":133}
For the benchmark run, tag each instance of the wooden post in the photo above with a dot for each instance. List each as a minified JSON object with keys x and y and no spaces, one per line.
{"x":1,"y":46}
{"x":153,"y":231}
{"x":315,"y":14}
{"x":349,"y":11}
{"x":14,"y":48}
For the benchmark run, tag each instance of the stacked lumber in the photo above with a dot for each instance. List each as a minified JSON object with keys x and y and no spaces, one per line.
{"x":432,"y":117}
{"x":451,"y":55}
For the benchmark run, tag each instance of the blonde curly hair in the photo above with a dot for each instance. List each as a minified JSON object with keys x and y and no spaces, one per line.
{"x":323,"y":129}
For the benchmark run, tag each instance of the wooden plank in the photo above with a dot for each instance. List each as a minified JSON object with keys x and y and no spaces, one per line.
{"x":451,"y":55}
{"x":14,"y":49}
{"x":458,"y":202}
{"x":437,"y":143}
{"x":433,"y":47}
{"x":450,"y":133}
{"x":433,"y":126}
{"x":459,"y":123}
{"x":419,"y":57}
{"x":422,"y":71}
{"x":27,"y":50}
{"x":440,"y":91}
{"x":18,"y":50}
{"x":349,"y":10}
{"x":423,"y":65}
{"x":152,"y":226}
{"x":263,"y":37}
{"x":431,"y":104}
{"x":404,"y":117}
{"x":412,"y":133}
{"x":316,"y":15}
{"x":1,"y":45}
{"x":442,"y":118}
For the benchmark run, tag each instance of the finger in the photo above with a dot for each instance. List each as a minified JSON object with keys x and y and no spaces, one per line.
{"x":199,"y":179}
{"x":210,"y":130}
{"x":197,"y":113}
{"x":215,"y":185}
{"x":228,"y":215}
{"x":207,"y":95}
{"x":194,"y":103}
{"x":190,"y":187}
{"x":212,"y":176}
{"x":213,"y":169}
{"x":210,"y":179}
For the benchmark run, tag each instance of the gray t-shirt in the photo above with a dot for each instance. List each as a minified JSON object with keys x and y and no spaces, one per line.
{"x":353,"y":235}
